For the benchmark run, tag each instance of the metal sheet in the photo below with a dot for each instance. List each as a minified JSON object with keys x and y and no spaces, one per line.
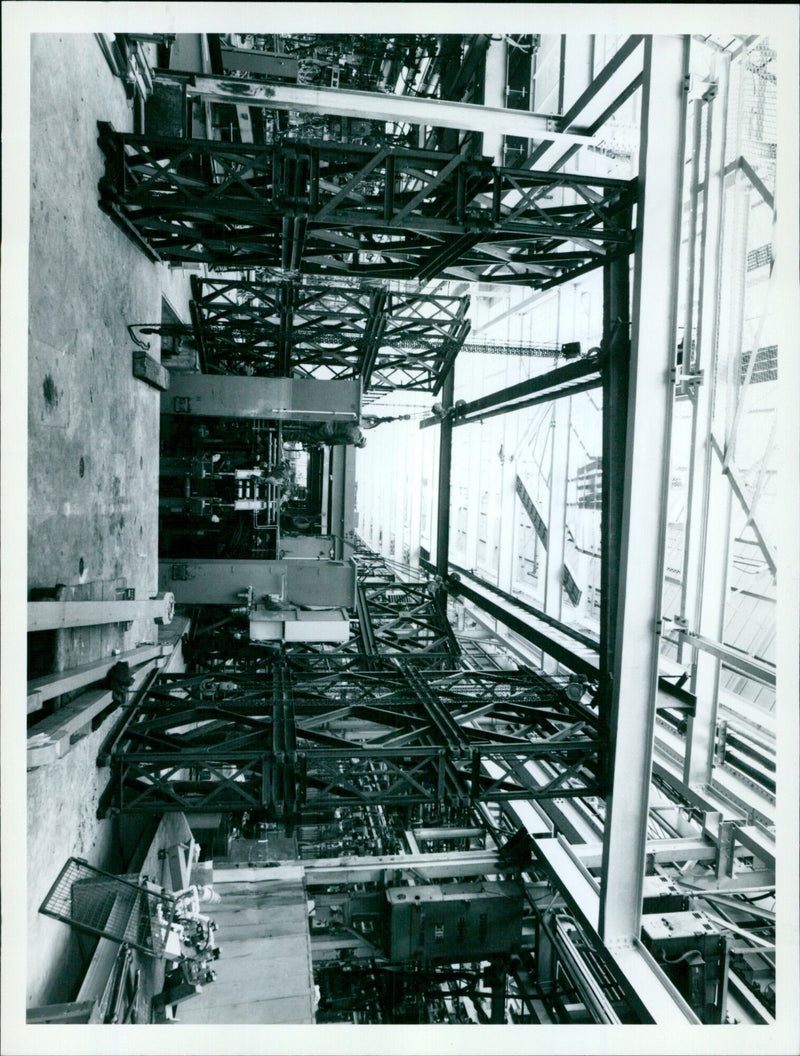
{"x":285,"y":399}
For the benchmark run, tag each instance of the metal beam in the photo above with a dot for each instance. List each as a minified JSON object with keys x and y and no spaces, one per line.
{"x":727,"y":794}
{"x":551,"y":621}
{"x":739,"y":662}
{"x":543,"y":635}
{"x":602,"y":97}
{"x":329,"y":209}
{"x":285,"y":399}
{"x":384,"y":107}
{"x":707,"y":543}
{"x":548,"y":386}
{"x":445,"y":467}
{"x":635,"y":675}
{"x":662,"y":852}
{"x":646,"y":985}
{"x":55,"y":615}
{"x":738,"y":491}
{"x":437,"y":865}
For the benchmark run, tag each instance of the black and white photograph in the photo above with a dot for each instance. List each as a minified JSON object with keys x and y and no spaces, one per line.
{"x":400,"y":528}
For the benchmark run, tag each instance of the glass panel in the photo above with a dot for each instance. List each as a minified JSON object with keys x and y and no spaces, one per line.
{"x":580,"y":603}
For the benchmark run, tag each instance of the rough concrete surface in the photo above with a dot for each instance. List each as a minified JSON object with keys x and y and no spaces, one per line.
{"x":94,"y":529}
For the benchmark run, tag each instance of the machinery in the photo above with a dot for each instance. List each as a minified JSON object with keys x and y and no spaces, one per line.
{"x":694,"y":954}
{"x":256,"y":498}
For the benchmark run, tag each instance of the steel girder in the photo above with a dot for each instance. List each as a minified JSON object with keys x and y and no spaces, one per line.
{"x":333,"y":209}
{"x":296,"y":742}
{"x":371,"y":567}
{"x":286,"y":328}
{"x":405,"y":620}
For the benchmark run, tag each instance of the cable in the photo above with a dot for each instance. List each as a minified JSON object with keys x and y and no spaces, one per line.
{"x":683,"y":957}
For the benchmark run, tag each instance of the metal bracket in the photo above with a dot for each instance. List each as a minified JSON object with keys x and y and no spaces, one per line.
{"x":726,"y":859}
{"x":722,"y":739}
{"x":685,"y":384}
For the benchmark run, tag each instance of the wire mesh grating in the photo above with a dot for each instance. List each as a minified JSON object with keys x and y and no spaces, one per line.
{"x":125,"y":910}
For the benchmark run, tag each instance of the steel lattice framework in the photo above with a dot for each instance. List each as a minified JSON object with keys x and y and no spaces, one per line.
{"x":332,"y":209}
{"x":285,"y":328}
{"x":302,"y":742}
{"x":393,"y":718}
{"x":405,"y":619}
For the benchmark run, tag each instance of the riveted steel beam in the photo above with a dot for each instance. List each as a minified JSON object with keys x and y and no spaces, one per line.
{"x":345,"y":209}
{"x":384,"y":107}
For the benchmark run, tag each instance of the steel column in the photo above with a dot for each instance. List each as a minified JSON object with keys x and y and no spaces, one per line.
{"x":708,"y":512}
{"x":633,"y":697}
{"x":445,"y":466}
{"x":616,"y":341}
{"x":557,"y":512}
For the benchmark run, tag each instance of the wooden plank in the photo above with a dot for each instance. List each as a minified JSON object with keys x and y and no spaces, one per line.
{"x":99,"y":971}
{"x":264,"y":894}
{"x":179,"y":858}
{"x":245,"y":123}
{"x":68,"y":1012}
{"x":297,"y":1009}
{"x":246,"y":955}
{"x":265,"y":985}
{"x":54,"y":685}
{"x":262,"y":930}
{"x":147,"y":369}
{"x":53,"y":737}
{"x":254,"y":912}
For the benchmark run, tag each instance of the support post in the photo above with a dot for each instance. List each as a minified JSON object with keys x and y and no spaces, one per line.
{"x":709,"y":507}
{"x":616,"y":371}
{"x":445,"y":458}
{"x":557,"y":515}
{"x":505,"y":527}
{"x":635,"y":656}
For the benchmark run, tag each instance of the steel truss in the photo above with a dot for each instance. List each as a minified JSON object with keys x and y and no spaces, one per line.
{"x":284,"y":328}
{"x":296,"y":742}
{"x":330,"y":209}
{"x":406,"y":620}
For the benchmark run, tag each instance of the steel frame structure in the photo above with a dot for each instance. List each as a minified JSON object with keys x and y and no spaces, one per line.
{"x":329,"y":209}
{"x":391,"y":340}
{"x":437,"y":731}
{"x":394,"y":718}
{"x":299,"y":742}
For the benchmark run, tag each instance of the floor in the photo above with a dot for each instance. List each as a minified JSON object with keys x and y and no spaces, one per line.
{"x":92,"y":444}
